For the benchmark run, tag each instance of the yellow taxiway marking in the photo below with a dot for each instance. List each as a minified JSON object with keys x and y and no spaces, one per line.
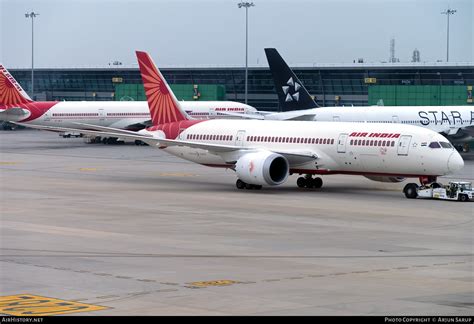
{"x":8,"y":163}
{"x":177,"y":174}
{"x":31,"y":305}
{"x":212,"y":283}
{"x":87,"y":169}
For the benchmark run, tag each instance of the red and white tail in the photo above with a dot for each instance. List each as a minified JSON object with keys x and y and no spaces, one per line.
{"x":164,"y":107}
{"x":11,"y":92}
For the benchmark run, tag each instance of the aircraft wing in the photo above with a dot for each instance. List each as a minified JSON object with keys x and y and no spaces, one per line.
{"x":105,"y":129}
{"x":293,"y":157}
{"x":149,"y":139}
{"x":243,"y":116}
{"x":460,"y":136}
{"x":291,"y":115}
{"x":307,"y":117}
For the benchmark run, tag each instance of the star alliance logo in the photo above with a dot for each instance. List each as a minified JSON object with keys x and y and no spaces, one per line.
{"x":286,"y":90}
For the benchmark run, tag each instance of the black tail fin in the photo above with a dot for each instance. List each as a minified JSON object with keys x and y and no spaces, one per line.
{"x":292,"y":95}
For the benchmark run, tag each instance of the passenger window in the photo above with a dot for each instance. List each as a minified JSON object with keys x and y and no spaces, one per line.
{"x":434,"y":145}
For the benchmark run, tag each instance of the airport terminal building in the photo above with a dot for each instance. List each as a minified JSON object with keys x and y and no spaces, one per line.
{"x":357,"y":84}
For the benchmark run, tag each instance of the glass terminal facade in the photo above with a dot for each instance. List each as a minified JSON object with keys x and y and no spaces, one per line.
{"x":330,"y":85}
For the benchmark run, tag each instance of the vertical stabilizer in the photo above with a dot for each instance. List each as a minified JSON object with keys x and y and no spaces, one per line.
{"x":164,"y":107}
{"x":292,"y":95}
{"x":11,"y":93}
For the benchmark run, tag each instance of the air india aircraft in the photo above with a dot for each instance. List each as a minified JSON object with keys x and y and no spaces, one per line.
{"x":17,"y":106}
{"x":266,"y":152}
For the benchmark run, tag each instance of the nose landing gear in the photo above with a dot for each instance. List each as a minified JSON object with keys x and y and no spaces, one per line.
{"x":411,"y":189}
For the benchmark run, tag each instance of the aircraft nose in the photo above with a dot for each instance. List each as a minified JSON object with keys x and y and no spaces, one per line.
{"x":455,"y":162}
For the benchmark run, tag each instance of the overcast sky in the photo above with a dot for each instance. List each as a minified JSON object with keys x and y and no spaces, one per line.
{"x":212,"y":32}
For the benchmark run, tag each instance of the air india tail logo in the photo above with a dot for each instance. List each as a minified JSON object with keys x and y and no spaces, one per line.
{"x":162,"y":107}
{"x":10,"y":91}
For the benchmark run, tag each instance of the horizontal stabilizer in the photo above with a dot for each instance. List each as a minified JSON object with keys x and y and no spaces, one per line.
{"x":14,"y":114}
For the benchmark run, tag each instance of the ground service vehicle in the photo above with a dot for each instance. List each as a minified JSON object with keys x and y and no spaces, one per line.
{"x":455,"y":190}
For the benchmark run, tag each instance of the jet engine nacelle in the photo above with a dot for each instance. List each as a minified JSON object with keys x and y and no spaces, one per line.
{"x":385,"y":179}
{"x":263,"y":168}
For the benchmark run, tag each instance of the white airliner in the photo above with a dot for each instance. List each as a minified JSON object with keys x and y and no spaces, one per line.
{"x":17,"y":106}
{"x":267,"y":152}
{"x":456,"y":122}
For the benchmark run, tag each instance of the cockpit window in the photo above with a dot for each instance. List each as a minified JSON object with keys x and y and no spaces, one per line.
{"x":445,"y":145}
{"x":434,"y":145}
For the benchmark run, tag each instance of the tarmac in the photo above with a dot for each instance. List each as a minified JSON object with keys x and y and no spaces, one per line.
{"x":93,"y":229}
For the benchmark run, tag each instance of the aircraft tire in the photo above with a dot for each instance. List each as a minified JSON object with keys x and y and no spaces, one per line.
{"x":301,"y":182}
{"x":410,"y":190}
{"x":240,"y":184}
{"x":317,"y":182}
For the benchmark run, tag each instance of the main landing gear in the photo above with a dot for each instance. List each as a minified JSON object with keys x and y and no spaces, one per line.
{"x":242,"y":185}
{"x":308,"y":182}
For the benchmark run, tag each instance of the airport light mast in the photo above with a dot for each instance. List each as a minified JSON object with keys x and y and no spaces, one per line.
{"x":246,"y":5}
{"x":32,"y":15}
{"x":448,"y":13}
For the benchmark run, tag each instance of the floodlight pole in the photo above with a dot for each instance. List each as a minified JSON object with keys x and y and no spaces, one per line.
{"x":32,"y":15}
{"x":448,"y":13}
{"x":246,"y":5}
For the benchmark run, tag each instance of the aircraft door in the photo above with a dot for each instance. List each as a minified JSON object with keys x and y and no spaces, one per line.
{"x":403,"y":144}
{"x":239,"y":138}
{"x":341,"y":143}
{"x":101,"y":116}
{"x":47,"y":116}
{"x":212,"y":113}
{"x":336,"y":118}
{"x":181,"y":135}
{"x":395,"y":119}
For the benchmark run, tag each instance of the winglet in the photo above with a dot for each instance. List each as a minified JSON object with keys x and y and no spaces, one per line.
{"x":164,"y":107}
{"x":292,"y":95}
{"x":11,"y":92}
